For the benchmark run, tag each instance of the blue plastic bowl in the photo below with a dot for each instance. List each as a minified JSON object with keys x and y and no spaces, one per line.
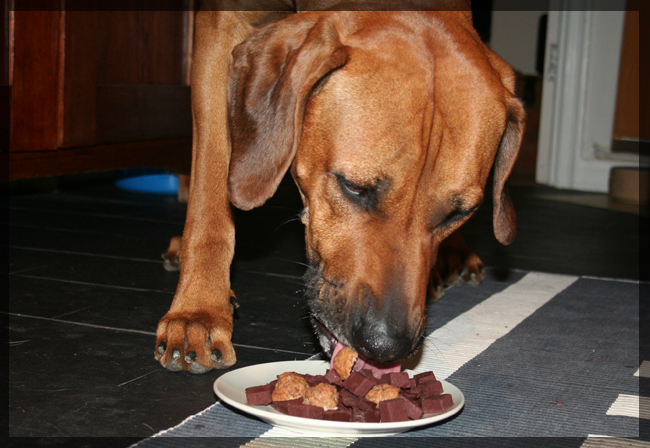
{"x":150,"y":183}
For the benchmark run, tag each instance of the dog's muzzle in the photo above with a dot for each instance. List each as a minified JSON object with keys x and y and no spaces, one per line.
{"x":381,"y":335}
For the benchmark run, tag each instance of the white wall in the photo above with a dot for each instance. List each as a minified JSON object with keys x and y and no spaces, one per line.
{"x":580,"y":82}
{"x":579,"y":97}
{"x":514,"y":36}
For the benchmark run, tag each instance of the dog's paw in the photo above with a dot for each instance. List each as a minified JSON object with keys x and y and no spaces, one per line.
{"x":454,"y":267}
{"x":436,"y":287}
{"x":171,"y":257}
{"x":473,"y":271}
{"x":195,"y":342}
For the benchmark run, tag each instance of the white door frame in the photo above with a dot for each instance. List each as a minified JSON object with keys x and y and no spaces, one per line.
{"x":583,"y":47}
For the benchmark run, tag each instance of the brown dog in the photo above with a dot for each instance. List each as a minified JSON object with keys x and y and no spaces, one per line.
{"x":390,"y":123}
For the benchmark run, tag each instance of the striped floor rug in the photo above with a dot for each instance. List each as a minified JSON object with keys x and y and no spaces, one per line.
{"x":550,"y":357}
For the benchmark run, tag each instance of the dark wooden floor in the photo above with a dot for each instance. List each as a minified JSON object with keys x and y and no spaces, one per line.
{"x":86,"y":290}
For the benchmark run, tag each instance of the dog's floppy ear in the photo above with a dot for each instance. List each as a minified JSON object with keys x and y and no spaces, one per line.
{"x":272,"y":77}
{"x":504,"y":218}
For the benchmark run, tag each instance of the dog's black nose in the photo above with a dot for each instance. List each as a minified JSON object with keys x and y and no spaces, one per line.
{"x":380,"y":340}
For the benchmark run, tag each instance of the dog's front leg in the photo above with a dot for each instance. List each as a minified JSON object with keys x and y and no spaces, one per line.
{"x":455,"y":264}
{"x":195,"y":334}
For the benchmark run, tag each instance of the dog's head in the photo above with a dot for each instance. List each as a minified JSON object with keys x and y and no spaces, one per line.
{"x":391,"y":124}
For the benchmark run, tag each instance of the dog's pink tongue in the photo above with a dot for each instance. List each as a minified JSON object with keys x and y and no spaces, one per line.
{"x":377,"y":369}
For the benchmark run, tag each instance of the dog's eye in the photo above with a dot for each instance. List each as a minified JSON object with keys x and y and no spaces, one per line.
{"x":350,"y":188}
{"x":363,"y":197}
{"x":457,"y":215}
{"x":353,"y":188}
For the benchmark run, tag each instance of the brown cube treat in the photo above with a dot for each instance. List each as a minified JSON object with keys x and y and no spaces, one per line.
{"x":412,"y":384}
{"x":368,"y":416}
{"x":313,"y":380}
{"x":437,"y":403}
{"x":430,"y":389}
{"x":283,"y":406}
{"x":407,"y":395}
{"x":346,"y":395}
{"x":348,"y":398}
{"x":333,"y":377}
{"x":397,"y":379}
{"x":304,"y":410}
{"x":259,"y":395}
{"x":344,"y":361}
{"x":358,"y":384}
{"x":322,"y":395}
{"x":338,"y":415}
{"x":352,"y":401}
{"x":368,"y":374}
{"x":343,"y":406}
{"x":413,"y":411}
{"x":393,"y":410}
{"x":290,"y":385}
{"x":382,"y":392}
{"x":424,"y":377}
{"x":411,"y":394}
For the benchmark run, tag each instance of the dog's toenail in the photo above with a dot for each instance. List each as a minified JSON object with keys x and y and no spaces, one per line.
{"x":216,"y":355}
{"x":176,"y":353}
{"x":162,"y":347}
{"x":190,"y":357}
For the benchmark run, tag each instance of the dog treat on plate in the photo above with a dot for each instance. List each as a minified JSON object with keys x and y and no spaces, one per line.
{"x":358,"y":384}
{"x":352,"y":401}
{"x":314,"y":380}
{"x":424,"y":377}
{"x":259,"y":395}
{"x":338,"y":415}
{"x":359,"y":398}
{"x":382,"y":392}
{"x":397,"y":379}
{"x":413,"y":411}
{"x":393,"y":410}
{"x":322,"y":395}
{"x":437,"y":403}
{"x":283,"y":406}
{"x":290,"y":385}
{"x":344,"y":361}
{"x":430,"y":389}
{"x":304,"y":410}
{"x":348,"y":395}
{"x":333,"y":378}
{"x":367,"y":416}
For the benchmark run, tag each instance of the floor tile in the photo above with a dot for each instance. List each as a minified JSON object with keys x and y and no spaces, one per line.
{"x":68,"y":380}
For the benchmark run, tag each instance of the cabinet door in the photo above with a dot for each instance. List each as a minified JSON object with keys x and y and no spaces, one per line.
{"x":127,"y":76}
{"x":95,"y":90}
{"x":5,"y":84}
{"x":35,"y":78}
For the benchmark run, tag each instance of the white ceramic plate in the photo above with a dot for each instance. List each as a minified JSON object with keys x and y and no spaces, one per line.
{"x":230,"y":388}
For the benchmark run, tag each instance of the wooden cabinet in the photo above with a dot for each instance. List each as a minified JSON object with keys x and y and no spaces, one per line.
{"x":632,"y":119}
{"x":86,"y":91}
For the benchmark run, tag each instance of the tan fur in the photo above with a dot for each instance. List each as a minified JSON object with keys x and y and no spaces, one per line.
{"x":410,"y":105}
